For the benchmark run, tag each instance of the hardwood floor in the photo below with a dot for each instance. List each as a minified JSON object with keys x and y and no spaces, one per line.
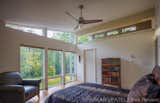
{"x":45,"y":93}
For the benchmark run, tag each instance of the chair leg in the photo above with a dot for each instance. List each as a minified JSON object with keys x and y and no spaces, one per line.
{"x":38,"y":95}
{"x":38,"y":98}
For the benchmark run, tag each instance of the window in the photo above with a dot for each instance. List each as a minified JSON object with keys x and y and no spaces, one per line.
{"x":54,"y":67}
{"x":69,"y":66}
{"x":54,"y":62}
{"x":112,"y":33}
{"x":101,"y":35}
{"x":63,"y":36}
{"x":36,"y":31}
{"x":58,"y":35}
{"x":127,"y":29}
{"x":31,"y":63}
{"x":54,"y":81}
{"x":69,"y":62}
{"x":84,"y":38}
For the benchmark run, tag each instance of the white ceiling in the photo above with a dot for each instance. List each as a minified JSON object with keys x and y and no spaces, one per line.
{"x":50,"y":13}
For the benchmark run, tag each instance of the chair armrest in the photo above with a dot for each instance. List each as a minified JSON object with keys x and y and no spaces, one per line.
{"x":32,"y":82}
{"x":12,"y":94}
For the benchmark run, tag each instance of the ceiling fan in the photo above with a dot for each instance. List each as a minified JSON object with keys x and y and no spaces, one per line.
{"x":81,"y":19}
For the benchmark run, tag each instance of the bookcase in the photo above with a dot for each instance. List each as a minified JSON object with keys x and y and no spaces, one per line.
{"x":111,"y":71}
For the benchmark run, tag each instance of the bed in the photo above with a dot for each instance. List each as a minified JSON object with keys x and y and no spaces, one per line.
{"x":89,"y":93}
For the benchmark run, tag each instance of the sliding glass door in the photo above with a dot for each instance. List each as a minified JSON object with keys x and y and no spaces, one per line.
{"x":54,"y":67}
{"x":69,"y":67}
{"x":32,"y":66}
{"x":31,"y":63}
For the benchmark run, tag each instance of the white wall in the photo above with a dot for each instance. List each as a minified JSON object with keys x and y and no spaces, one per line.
{"x":139,"y":44}
{"x":10,"y":41}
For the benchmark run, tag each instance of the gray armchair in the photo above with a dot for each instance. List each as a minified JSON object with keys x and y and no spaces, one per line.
{"x":15,"y":90}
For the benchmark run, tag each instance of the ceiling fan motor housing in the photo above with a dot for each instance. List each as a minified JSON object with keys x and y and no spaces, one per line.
{"x":81,"y":20}
{"x":81,"y":6}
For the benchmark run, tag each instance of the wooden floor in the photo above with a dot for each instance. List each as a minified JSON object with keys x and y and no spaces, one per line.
{"x":45,"y":93}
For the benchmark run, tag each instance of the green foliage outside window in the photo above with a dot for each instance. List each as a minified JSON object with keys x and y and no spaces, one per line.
{"x":31,"y":62}
{"x":54,"y":62}
{"x":63,"y":36}
{"x":83,"y":38}
{"x":69,"y":63}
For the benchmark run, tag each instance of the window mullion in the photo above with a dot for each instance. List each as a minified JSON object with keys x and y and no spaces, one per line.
{"x":75,"y":66}
{"x":63,"y":68}
{"x":45,"y":32}
{"x":70,"y":59}
{"x":46,"y":68}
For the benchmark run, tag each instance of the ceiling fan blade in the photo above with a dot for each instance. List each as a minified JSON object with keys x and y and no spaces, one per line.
{"x":77,"y":27}
{"x":91,"y":21}
{"x":69,"y":14}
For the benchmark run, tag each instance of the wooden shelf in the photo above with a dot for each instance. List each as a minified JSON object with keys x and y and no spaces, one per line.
{"x":107,"y":65}
{"x":114,"y":84}
{"x":111,"y":68}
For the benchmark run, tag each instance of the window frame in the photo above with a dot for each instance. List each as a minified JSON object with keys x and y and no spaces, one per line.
{"x":44,"y":32}
{"x":143,"y":25}
{"x":73,"y":73}
{"x":43,"y":58}
{"x":44,"y":78}
{"x":61,"y":61}
{"x":19,"y":28}
{"x":74,"y":36}
{"x":56,"y":76}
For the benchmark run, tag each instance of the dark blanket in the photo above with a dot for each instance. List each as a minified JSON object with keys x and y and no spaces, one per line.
{"x":89,"y":93}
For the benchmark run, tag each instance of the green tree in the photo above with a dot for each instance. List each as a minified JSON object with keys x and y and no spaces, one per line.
{"x":54,"y":63}
{"x":64,"y":36}
{"x":50,"y":63}
{"x":83,"y":38}
{"x":31,"y":62}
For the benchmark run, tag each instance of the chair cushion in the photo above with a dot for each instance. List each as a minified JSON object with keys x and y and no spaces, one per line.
{"x":10,"y":78}
{"x":30,"y":91}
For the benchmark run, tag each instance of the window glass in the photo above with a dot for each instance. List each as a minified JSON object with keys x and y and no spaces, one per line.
{"x":54,"y":67}
{"x":54,"y":63}
{"x":54,"y":81}
{"x":69,"y":66}
{"x":31,"y":63}
{"x":128,"y":29}
{"x":69,"y":78}
{"x":84,"y":38}
{"x":69,"y":62}
{"x":63,"y":36}
{"x":36,"y":31}
{"x":99,"y":35}
{"x":112,"y":33}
